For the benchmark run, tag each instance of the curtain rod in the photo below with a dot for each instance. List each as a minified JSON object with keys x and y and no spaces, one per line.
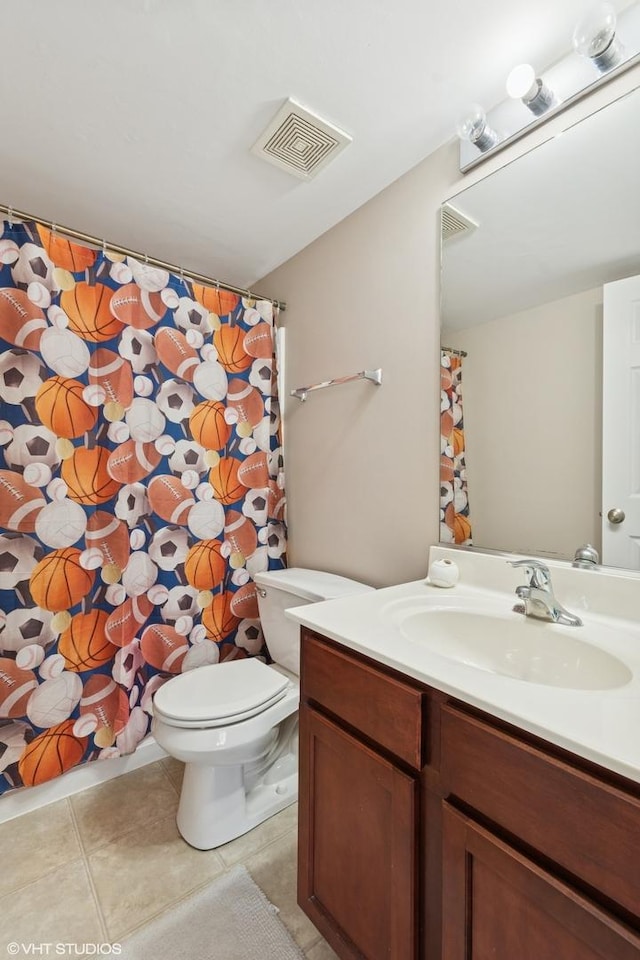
{"x":102,"y":244}
{"x":456,"y":353}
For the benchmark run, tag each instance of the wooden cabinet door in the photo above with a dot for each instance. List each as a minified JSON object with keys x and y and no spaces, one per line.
{"x":358,"y":844}
{"x":499,"y":905}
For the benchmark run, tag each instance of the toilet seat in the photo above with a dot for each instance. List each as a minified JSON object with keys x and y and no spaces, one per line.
{"x":220,"y":694}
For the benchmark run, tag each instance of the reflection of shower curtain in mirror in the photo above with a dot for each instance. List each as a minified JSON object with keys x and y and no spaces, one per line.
{"x":141,"y":488}
{"x":455,"y":526}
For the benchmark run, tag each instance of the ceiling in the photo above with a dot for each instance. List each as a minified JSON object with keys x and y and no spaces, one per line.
{"x":133,"y":120}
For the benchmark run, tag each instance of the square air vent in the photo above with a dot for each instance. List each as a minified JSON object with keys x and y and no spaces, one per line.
{"x":299,"y":141}
{"x":454,"y":223}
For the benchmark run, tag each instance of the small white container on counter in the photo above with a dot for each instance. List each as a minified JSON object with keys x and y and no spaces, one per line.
{"x":443,"y":573}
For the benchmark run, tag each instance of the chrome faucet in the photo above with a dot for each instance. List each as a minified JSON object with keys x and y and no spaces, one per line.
{"x":537,"y":596}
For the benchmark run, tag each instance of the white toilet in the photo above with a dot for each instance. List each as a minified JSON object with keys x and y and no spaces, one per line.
{"x":235,"y":724}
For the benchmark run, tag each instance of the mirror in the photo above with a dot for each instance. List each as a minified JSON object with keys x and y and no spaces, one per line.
{"x":522,"y":295}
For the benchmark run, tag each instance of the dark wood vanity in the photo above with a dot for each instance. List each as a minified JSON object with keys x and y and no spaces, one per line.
{"x":430,"y":830}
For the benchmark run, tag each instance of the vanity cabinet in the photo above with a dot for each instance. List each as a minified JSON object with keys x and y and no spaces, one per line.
{"x":589,"y":828}
{"x":496,"y":902}
{"x":360,"y":757}
{"x":359,"y":876}
{"x":432,"y":831}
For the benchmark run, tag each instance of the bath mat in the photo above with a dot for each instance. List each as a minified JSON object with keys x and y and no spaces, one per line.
{"x":231,"y":919}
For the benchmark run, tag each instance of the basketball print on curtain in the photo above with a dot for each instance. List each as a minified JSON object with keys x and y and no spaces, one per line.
{"x":141,"y":488}
{"x":455,"y":526}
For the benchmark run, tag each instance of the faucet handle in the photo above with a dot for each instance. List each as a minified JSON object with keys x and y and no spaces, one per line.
{"x":586,"y":557}
{"x":538,"y":573}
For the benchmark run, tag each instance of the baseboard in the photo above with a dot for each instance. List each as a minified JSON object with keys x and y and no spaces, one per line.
{"x":17,"y":802}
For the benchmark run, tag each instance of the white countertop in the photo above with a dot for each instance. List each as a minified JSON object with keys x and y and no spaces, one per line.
{"x":600,"y":725}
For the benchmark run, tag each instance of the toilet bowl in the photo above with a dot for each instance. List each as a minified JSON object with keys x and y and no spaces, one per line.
{"x":235,"y":724}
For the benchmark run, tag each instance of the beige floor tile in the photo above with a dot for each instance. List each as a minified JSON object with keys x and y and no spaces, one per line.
{"x":272,"y":829}
{"x":174,"y":769}
{"x":142,"y":873}
{"x":130,"y":802}
{"x":274,"y":870}
{"x":58,"y":908}
{"x":36,"y":843}
{"x":321,"y":951}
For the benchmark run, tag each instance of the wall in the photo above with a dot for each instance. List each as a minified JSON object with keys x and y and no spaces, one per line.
{"x":533,"y":426}
{"x":362,"y":461}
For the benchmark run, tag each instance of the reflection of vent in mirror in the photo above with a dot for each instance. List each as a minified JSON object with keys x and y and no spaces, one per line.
{"x":454,"y":223}
{"x":300,"y":142}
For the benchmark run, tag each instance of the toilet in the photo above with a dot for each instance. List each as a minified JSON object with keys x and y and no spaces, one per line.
{"x":235,"y":724}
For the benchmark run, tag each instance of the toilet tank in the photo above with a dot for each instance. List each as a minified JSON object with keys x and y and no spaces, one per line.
{"x":280,"y":589}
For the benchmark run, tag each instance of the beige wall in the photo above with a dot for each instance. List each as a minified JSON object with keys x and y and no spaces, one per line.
{"x":362,"y":461}
{"x":532,"y":385}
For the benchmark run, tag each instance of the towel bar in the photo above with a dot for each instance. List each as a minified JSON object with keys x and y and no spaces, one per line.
{"x":374,"y":375}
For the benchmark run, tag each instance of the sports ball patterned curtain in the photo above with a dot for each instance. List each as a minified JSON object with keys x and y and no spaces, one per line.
{"x":141,"y":487}
{"x":455,"y":526}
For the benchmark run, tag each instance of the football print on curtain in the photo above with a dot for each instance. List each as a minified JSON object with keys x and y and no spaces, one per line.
{"x":455,"y":526}
{"x":141,"y":487}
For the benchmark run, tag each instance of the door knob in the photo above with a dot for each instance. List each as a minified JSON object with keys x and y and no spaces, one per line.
{"x":615,"y":515}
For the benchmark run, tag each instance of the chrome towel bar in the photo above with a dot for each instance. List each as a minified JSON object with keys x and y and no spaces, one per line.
{"x":374,"y":375}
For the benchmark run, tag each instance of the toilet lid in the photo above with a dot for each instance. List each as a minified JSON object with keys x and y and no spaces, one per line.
{"x":221,"y":692}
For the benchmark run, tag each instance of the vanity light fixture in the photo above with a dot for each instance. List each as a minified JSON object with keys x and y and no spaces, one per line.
{"x":595,"y":38}
{"x":603,"y":55}
{"x":474,"y":128}
{"x":522,"y":84}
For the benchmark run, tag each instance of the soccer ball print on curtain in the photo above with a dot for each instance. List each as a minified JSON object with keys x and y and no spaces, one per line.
{"x":141,"y":487}
{"x":455,"y":525}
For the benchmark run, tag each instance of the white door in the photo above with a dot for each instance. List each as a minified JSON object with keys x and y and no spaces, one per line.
{"x":621,"y":424}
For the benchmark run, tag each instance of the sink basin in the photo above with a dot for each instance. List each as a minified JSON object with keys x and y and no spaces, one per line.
{"x":506,"y":643}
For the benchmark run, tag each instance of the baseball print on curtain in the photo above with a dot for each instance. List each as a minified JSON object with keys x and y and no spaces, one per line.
{"x":455,"y":526}
{"x":141,"y":487}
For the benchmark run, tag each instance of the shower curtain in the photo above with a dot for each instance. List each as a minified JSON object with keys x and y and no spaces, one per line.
{"x":141,"y":488}
{"x":455,"y":526}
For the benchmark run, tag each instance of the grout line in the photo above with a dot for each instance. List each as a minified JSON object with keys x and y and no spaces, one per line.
{"x":315,"y":943}
{"x":181,"y":899}
{"x":168,"y":776}
{"x":127,"y":831}
{"x":266,"y":846}
{"x":309,"y":950}
{"x":226,"y":868}
{"x":254,"y":851}
{"x":87,"y":870}
{"x":130,"y":831}
{"x":50,"y":870}
{"x":43,"y":876}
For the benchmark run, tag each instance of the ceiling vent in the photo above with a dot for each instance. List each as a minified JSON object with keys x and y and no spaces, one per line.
{"x":454,"y":223}
{"x":300,"y":142}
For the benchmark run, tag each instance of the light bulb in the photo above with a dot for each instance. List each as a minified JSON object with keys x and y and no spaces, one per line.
{"x":474,"y":128}
{"x":522,"y":84}
{"x":595,"y":38}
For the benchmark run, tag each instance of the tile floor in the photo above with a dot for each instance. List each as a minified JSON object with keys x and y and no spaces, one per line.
{"x":93,"y":868}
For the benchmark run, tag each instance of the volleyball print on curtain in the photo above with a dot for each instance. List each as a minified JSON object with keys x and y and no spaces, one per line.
{"x":455,"y":526}
{"x":141,"y":488}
